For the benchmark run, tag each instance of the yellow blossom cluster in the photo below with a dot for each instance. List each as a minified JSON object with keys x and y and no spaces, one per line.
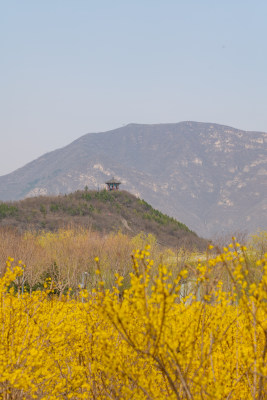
{"x":145,"y":342}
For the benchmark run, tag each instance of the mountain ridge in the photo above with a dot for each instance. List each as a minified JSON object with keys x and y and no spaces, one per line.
{"x":209,"y":176}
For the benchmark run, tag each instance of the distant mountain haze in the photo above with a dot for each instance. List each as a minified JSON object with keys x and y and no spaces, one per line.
{"x":210,"y":177}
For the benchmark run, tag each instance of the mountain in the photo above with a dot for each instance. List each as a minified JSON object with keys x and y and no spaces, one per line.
{"x":104,"y":211}
{"x":211,"y":177}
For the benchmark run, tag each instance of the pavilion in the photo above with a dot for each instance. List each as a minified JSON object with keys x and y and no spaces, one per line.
{"x":113,"y":184}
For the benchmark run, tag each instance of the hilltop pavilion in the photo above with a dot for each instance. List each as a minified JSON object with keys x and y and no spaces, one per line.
{"x":113,"y":184}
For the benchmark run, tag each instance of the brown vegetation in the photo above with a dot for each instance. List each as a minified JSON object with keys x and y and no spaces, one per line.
{"x":102,"y":211}
{"x":68,"y":256}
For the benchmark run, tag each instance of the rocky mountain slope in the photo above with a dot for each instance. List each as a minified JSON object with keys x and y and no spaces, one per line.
{"x":210,"y":177}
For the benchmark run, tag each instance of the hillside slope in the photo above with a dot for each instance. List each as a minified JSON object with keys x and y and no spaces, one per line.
{"x":101,"y":211}
{"x":210,"y":177}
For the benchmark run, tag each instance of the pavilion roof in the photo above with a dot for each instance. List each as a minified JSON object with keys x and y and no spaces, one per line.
{"x":113,"y":180}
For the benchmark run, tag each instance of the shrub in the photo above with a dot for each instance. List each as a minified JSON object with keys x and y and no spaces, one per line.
{"x":104,"y":195}
{"x":149,"y":340}
{"x":54,"y":207}
{"x":7,"y":210}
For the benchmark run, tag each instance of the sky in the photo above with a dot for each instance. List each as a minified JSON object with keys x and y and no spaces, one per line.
{"x":70,"y":67}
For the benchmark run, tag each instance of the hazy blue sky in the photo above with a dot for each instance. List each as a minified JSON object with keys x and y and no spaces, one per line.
{"x":69,"y":67}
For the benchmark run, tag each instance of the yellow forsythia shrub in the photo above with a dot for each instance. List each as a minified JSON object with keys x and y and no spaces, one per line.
{"x":146,"y":342}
